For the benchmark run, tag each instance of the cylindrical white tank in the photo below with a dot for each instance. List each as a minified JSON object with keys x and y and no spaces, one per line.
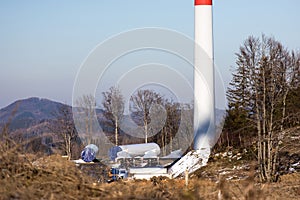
{"x":135,"y":150}
{"x":204,"y":97}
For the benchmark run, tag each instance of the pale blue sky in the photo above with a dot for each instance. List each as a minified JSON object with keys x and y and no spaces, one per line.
{"x":43,"y":43}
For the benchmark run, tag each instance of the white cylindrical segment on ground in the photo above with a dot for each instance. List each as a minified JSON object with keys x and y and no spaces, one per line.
{"x":204,"y":101}
{"x":133,"y":150}
{"x":140,"y":149}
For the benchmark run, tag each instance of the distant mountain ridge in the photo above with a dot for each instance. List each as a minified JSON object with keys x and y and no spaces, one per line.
{"x":27,"y":112}
{"x":30,"y":112}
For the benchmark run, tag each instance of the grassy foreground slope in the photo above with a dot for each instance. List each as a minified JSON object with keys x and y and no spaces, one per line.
{"x":52,"y":177}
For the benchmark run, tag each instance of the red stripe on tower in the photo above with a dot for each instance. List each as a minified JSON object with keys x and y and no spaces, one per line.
{"x":203,"y":2}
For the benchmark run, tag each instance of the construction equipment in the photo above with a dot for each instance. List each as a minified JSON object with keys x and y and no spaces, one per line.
{"x":115,"y":174}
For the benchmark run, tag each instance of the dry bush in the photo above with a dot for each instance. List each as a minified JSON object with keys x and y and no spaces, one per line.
{"x":287,"y":188}
{"x":26,"y":177}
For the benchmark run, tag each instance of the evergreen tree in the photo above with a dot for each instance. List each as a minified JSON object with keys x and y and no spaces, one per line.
{"x":257,"y":98}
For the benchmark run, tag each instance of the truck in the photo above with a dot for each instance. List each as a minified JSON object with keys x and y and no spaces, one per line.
{"x":115,"y":174}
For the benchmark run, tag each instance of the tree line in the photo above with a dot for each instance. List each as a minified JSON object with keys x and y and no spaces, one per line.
{"x":263,"y":101}
{"x":152,"y":118}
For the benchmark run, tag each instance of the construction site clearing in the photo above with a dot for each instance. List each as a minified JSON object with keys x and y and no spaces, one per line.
{"x":229,"y":173}
{"x":126,"y":168}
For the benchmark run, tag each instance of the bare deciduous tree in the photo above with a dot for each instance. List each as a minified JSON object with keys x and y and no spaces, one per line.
{"x":86,"y":110}
{"x":66,"y":129}
{"x":172,"y":123}
{"x":113,"y":104}
{"x":187,"y":128}
{"x":141,"y":103}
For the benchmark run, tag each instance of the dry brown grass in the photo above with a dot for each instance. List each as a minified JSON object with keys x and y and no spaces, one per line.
{"x":53,"y":177}
{"x":30,"y":177}
{"x":56,"y":178}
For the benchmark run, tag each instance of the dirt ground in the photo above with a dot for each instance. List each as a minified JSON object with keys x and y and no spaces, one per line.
{"x":53,"y":177}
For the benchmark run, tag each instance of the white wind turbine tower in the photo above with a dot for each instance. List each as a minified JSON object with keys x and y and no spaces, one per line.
{"x":204,"y":97}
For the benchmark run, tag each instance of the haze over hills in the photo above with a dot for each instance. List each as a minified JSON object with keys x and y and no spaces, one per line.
{"x":32,"y":111}
{"x":38,"y":117}
{"x":28,"y":112}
